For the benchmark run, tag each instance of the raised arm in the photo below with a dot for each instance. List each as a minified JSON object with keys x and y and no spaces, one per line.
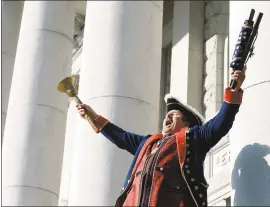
{"x":219,"y":126}
{"x":121,"y":138}
{"x":211,"y":133}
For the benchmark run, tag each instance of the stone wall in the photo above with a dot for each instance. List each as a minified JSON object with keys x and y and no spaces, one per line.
{"x":215,"y":32}
{"x":217,"y":169}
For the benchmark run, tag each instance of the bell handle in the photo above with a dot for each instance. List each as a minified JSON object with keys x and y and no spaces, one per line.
{"x":77,"y":100}
{"x":90,"y":116}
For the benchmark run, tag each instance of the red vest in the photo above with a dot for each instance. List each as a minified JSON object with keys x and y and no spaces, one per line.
{"x":167,"y":163}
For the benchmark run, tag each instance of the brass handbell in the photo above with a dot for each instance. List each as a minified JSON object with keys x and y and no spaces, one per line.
{"x":67,"y":86}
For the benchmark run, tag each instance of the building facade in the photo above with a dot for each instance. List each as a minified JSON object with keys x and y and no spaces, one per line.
{"x":127,"y":55}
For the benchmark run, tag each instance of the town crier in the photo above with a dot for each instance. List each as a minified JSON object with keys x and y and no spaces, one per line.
{"x":167,"y":169}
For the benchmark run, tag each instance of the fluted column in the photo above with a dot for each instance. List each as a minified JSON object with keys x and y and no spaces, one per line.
{"x":250,"y":137}
{"x":11,"y":22}
{"x":120,"y":79}
{"x":35,"y":125}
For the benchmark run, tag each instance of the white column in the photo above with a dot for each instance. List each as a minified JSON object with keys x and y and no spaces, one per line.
{"x":120,"y":79}
{"x":11,"y":21}
{"x":250,"y":142}
{"x":71,"y":116}
{"x":68,"y":153}
{"x":187,"y":52}
{"x":35,"y":125}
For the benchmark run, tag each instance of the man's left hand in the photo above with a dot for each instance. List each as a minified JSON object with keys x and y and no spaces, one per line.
{"x":239,"y":76}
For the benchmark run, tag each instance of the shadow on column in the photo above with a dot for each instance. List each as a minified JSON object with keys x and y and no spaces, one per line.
{"x":251,"y":176}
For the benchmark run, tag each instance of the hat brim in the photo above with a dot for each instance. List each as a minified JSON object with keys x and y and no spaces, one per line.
{"x":193,"y":116}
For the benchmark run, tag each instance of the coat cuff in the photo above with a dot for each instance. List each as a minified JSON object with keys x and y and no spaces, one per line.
{"x":233,"y":97}
{"x":100,"y":123}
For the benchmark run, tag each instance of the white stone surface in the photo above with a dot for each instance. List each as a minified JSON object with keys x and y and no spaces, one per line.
{"x":213,"y":82}
{"x":216,"y":18}
{"x":77,"y":62}
{"x":214,"y":8}
{"x":11,"y":21}
{"x":80,"y":7}
{"x":167,"y":34}
{"x":220,"y":203}
{"x":68,"y":153}
{"x":216,"y":58}
{"x":35,"y":125}
{"x":215,"y":25}
{"x":120,"y":79}
{"x":71,"y":123}
{"x":220,"y":159}
{"x":215,"y":33}
{"x":226,"y":62}
{"x":187,"y":52}
{"x":250,"y":133}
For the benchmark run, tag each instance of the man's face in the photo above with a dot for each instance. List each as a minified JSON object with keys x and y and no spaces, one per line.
{"x":173,"y":122}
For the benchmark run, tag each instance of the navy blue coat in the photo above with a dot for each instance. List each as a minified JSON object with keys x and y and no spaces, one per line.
{"x":205,"y":136}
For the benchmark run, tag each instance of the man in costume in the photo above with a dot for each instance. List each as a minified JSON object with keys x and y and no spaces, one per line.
{"x":167,"y":169}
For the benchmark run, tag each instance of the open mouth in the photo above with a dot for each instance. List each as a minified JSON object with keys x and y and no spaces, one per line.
{"x":168,"y":122}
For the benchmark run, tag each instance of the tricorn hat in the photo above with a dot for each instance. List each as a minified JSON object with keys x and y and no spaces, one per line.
{"x":192,"y":115}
